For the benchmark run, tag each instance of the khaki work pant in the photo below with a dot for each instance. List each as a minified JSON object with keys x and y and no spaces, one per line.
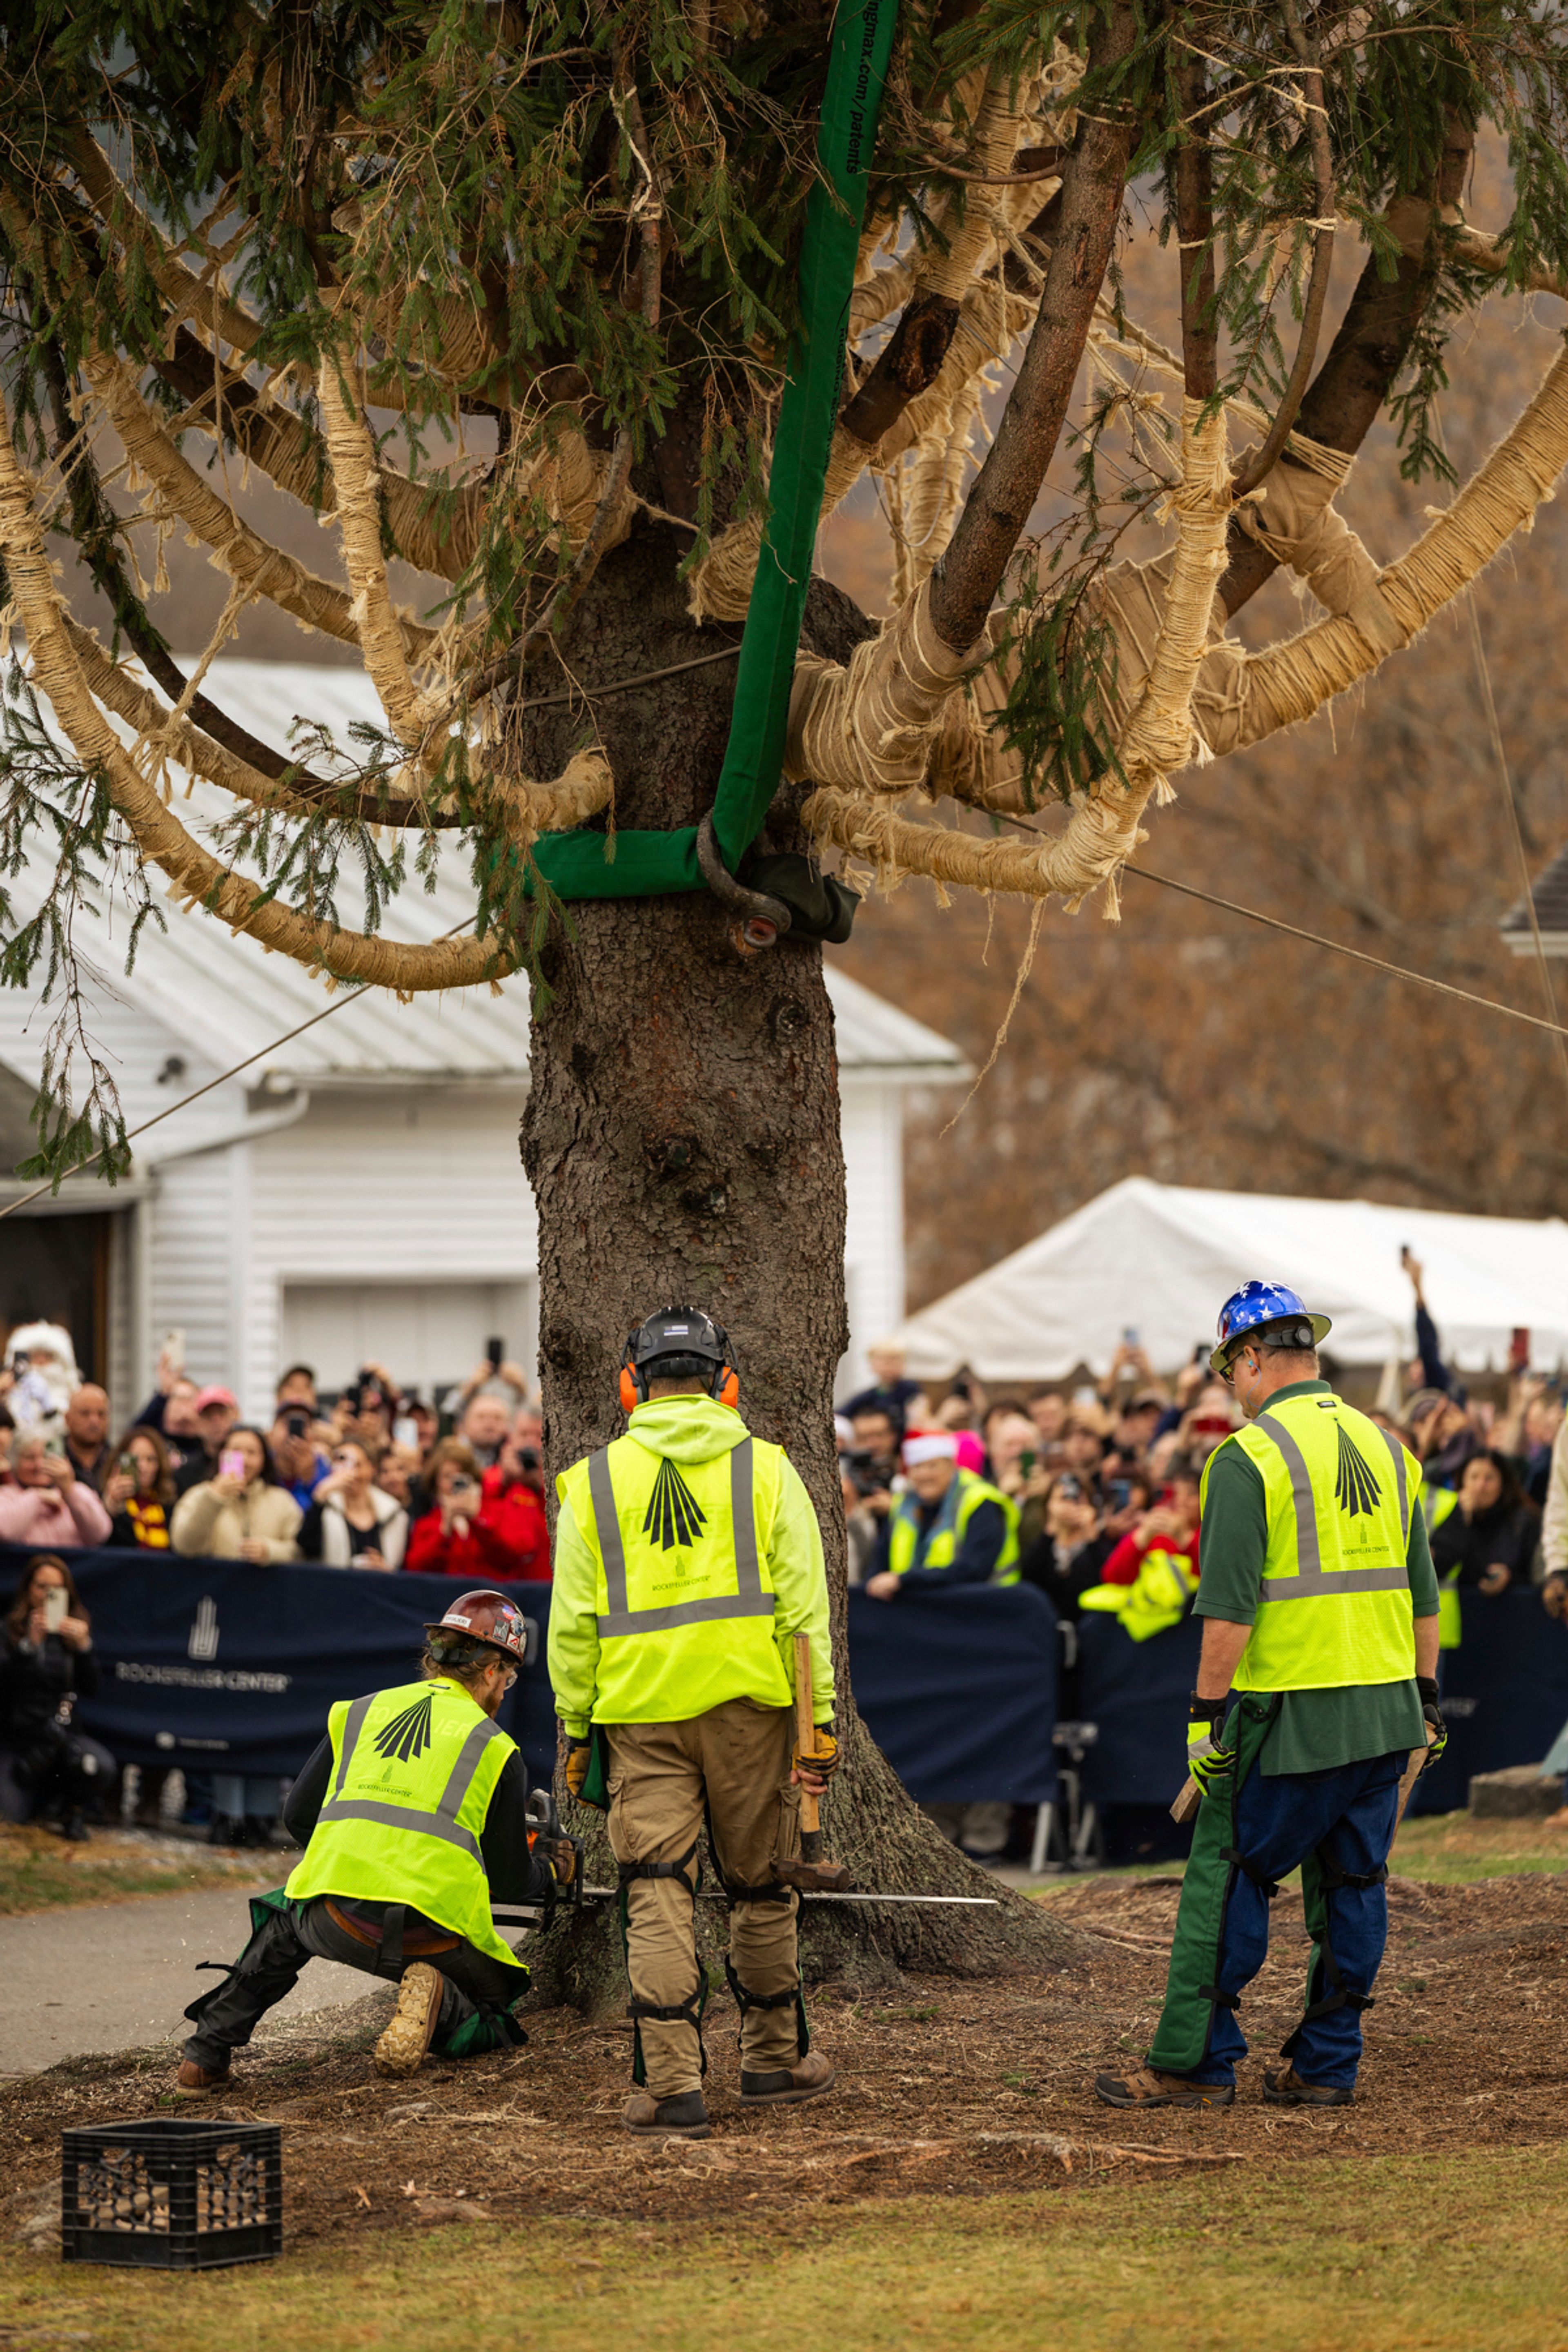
{"x":734,"y":1761}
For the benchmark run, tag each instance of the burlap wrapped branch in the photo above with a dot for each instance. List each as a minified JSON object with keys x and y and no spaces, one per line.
{"x":569,"y":477}
{"x":162,"y":839}
{"x":357,"y":482}
{"x":263,"y":569}
{"x":524,"y":809}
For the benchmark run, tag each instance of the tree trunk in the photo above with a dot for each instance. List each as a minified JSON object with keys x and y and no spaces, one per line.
{"x":682,"y":1140}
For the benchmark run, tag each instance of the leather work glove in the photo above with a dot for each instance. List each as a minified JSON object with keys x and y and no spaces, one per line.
{"x":823,"y":1764}
{"x":577,"y":1753}
{"x":562,"y":1856}
{"x":1427,"y":1689}
{"x":1207,"y":1755}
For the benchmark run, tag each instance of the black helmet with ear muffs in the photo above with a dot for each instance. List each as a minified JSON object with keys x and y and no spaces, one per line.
{"x":678,"y":1343}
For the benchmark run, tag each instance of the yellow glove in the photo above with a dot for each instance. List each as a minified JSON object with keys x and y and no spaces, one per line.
{"x":577,"y":1753}
{"x":823,"y":1762}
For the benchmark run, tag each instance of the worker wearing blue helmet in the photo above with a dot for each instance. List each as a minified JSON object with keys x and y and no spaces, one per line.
{"x":1315,"y":1684}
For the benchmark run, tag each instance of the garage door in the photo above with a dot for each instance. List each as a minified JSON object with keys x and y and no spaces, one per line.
{"x":429,"y":1335}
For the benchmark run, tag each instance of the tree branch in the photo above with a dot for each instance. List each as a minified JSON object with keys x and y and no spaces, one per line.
{"x":1262,"y":464}
{"x":1365,"y":357}
{"x":1094,"y":179}
{"x":1194,"y":236}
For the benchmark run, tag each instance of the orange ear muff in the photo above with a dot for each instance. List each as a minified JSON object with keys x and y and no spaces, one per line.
{"x":729,"y":1389}
{"x":630,"y":1397}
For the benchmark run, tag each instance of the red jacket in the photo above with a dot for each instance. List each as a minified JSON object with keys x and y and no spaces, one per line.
{"x":508,"y":1537}
{"x":1125,"y":1561}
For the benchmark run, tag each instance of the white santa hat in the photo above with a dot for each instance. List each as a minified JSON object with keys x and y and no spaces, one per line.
{"x":934,"y":1445}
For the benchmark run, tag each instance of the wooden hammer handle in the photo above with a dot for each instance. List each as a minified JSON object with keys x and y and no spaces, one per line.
{"x":804,"y":1729}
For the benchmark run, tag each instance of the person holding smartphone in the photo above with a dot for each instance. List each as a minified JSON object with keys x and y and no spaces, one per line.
{"x":46,"y":1664}
{"x":48,"y":1505}
{"x":243,"y":1513}
{"x":352,"y":1522}
{"x":464,"y":1532}
{"x":139,"y":1492}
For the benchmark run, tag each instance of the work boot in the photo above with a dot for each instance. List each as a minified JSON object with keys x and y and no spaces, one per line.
{"x":1288,"y":2090}
{"x":683,"y":2117}
{"x":401,"y":2049}
{"x":1145,"y":2088}
{"x":193,"y":2081}
{"x":73,"y":1829}
{"x":788,"y":2084}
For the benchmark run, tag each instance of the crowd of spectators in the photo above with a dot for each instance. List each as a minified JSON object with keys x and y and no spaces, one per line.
{"x":376,"y":1478}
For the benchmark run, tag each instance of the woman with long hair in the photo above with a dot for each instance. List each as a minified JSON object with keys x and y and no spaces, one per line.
{"x":138,"y":1495}
{"x":46,"y":1663}
{"x":244,"y":1512}
{"x":351,"y":1521}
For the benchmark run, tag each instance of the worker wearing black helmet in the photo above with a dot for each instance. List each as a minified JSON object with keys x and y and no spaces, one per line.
{"x":687,"y":1556}
{"x":413,"y":1815}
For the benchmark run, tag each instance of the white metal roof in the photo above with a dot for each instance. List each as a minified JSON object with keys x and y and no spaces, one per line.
{"x":1162,"y":1259}
{"x":227,"y":996}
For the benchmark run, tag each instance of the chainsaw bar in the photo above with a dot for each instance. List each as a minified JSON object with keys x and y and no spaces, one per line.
{"x":505,"y":1914}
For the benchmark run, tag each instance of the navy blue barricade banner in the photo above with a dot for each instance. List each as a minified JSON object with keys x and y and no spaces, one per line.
{"x":221,"y":1665}
{"x":1137,"y":1693}
{"x":959,"y":1690}
{"x":1505,"y":1693}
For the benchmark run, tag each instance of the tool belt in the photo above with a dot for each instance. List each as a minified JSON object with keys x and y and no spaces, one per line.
{"x":419,"y":1943}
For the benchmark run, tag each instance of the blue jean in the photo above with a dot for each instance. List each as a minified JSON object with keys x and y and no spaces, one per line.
{"x":1338,"y":1825}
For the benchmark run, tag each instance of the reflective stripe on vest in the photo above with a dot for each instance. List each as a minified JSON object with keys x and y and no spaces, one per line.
{"x":748,"y":1600}
{"x":443,"y":1822}
{"x":1310,"y":1577}
{"x":1339,"y":1496}
{"x":910,"y":1545}
{"x":414,"y":1771}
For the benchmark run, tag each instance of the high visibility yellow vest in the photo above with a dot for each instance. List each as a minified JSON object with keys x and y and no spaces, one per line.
{"x":414,"y":1771}
{"x":1157,"y":1598}
{"x":1340,"y":1492}
{"x":910,"y":1545}
{"x":1440,"y":1503}
{"x":684,"y":1596}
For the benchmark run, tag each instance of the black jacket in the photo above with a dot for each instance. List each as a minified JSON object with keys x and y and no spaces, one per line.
{"x":1472,"y":1545}
{"x":1065,"y":1586}
{"x":34,"y":1681}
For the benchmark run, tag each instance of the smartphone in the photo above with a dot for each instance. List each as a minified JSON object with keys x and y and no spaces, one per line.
{"x":1070,"y":1487}
{"x":1027,"y":1461}
{"x":1129,"y":1336}
{"x":495,"y":1349}
{"x":231,"y":1463}
{"x":55,"y":1446}
{"x":463,"y":1487}
{"x":295,"y":1424}
{"x":404,"y":1431}
{"x":128,"y":1465}
{"x":56,"y":1601}
{"x":1120,"y":1493}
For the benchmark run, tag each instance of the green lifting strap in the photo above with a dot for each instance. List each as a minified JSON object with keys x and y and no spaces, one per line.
{"x":652,"y":865}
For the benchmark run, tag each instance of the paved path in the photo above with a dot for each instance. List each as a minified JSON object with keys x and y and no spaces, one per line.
{"x":114,"y":1975}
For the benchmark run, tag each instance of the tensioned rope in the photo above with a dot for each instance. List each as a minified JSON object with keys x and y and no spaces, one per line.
{"x":1338,"y":947}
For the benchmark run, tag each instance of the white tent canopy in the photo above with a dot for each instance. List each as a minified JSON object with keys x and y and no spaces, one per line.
{"x":1160,"y":1260}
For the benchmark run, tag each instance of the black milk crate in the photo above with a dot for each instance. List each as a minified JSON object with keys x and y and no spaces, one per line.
{"x":172,"y":2194}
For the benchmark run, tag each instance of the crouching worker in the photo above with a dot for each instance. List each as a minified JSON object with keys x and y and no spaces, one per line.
{"x":687,"y":1556}
{"x":413,"y":1816}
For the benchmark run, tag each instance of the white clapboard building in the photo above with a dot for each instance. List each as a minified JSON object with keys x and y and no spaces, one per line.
{"x":355,"y":1194}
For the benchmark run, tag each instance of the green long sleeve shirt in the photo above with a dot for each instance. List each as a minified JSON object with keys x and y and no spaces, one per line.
{"x":1314,"y":1730}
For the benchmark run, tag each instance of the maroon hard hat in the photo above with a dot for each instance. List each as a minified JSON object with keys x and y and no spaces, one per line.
{"x":486,"y":1616}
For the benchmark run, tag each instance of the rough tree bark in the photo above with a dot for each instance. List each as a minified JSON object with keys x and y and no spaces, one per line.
{"x":681,"y":1138}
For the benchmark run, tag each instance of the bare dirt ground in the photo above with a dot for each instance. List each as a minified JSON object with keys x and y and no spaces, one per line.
{"x":944,"y":2087}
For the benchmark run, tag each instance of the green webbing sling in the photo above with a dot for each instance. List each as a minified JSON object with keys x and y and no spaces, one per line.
{"x":651,"y":865}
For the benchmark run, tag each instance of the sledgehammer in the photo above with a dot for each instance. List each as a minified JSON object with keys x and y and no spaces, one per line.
{"x":808,"y":1872}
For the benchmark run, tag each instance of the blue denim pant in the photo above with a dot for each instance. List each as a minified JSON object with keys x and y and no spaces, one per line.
{"x":1338,"y":1825}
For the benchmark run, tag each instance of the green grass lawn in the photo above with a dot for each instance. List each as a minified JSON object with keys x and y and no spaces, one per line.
{"x":1380,"y":2255}
{"x":38,"y":1871}
{"x":1448,"y":1849}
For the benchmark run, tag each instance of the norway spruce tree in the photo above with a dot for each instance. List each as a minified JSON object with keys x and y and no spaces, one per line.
{"x":588,"y":314}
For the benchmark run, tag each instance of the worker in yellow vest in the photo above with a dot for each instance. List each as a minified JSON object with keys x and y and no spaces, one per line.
{"x":950,"y":1527}
{"x":414,"y":1814}
{"x":1316,"y":1681}
{"x":687,"y":1556}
